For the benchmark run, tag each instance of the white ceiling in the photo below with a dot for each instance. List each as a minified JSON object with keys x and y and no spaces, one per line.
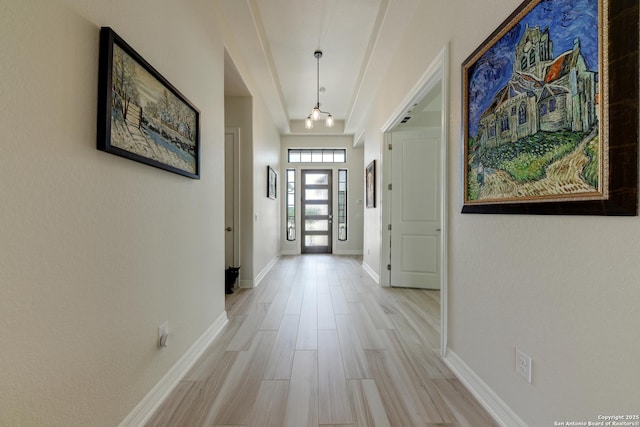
{"x":271,"y":46}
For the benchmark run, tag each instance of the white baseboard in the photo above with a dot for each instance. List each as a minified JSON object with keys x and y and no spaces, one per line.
{"x":266,"y":270}
{"x":248,"y":284}
{"x":371,"y":272}
{"x":152,"y":401}
{"x":293,"y":252}
{"x":498,"y":409}
{"x":347,"y":251}
{"x":245,"y":284}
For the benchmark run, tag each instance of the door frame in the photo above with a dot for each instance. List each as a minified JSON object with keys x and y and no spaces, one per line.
{"x":236,"y":194}
{"x":436,"y":73}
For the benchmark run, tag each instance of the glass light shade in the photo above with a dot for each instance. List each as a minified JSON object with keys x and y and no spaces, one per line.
{"x":308,"y":123}
{"x":315,"y":114}
{"x":329,"y":121}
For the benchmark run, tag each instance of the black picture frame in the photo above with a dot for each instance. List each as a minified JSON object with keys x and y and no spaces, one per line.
{"x":272,"y":183}
{"x":370,"y":184}
{"x":618,"y":120}
{"x":141,"y":116}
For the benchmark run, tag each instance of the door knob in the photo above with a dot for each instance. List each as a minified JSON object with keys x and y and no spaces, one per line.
{"x":228,"y":229}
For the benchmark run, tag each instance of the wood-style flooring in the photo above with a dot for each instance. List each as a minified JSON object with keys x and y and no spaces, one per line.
{"x":319,"y":343}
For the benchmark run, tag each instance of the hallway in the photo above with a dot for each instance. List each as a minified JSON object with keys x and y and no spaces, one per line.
{"x":320,"y":343}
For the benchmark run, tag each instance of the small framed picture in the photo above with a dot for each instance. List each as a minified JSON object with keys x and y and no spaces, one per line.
{"x":272,"y":183}
{"x":370,"y":181}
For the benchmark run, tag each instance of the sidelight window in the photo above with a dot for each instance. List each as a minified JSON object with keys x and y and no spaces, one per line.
{"x":342,"y":204}
{"x":291,"y":204}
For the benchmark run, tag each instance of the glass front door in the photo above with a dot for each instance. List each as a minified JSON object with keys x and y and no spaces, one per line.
{"x":317,"y":217}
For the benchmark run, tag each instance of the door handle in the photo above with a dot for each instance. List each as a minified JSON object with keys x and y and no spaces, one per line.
{"x":228,"y":228}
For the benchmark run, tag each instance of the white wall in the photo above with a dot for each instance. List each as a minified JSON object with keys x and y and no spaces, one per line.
{"x":372,"y":242}
{"x":97,"y":250}
{"x":564,"y":289}
{"x":355,"y":190}
{"x":266,"y":238}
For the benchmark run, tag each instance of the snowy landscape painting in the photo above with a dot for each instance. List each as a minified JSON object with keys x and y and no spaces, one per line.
{"x":141,"y":115}
{"x":533,"y":97}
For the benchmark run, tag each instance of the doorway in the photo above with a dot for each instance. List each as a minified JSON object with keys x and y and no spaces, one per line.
{"x":232,"y":197}
{"x":317,"y":217}
{"x":427,"y":103}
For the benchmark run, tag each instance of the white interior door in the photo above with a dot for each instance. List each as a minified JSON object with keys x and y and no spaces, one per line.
{"x":231,"y":199}
{"x":415,"y":209}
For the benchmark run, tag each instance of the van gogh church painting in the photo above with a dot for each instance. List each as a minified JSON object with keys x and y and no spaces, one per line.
{"x":532,"y":98}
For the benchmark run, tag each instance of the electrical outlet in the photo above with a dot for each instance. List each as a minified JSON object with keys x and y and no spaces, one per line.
{"x":523,"y":365}
{"x":163,"y":334}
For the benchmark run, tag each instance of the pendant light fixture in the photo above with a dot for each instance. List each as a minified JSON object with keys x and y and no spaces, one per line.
{"x":317,"y":112}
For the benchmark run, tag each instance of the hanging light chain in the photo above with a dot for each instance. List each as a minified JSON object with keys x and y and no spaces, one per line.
{"x":315,"y":113}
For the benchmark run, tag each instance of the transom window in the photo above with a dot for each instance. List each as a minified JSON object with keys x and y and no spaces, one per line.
{"x":317,"y":155}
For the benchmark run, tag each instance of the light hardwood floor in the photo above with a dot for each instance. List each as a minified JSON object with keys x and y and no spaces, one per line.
{"x":318,"y":343}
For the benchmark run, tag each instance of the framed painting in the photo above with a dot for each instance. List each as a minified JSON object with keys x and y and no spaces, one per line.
{"x":141,"y":116}
{"x":370,"y":182}
{"x":550,"y":111}
{"x":272,"y":183}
